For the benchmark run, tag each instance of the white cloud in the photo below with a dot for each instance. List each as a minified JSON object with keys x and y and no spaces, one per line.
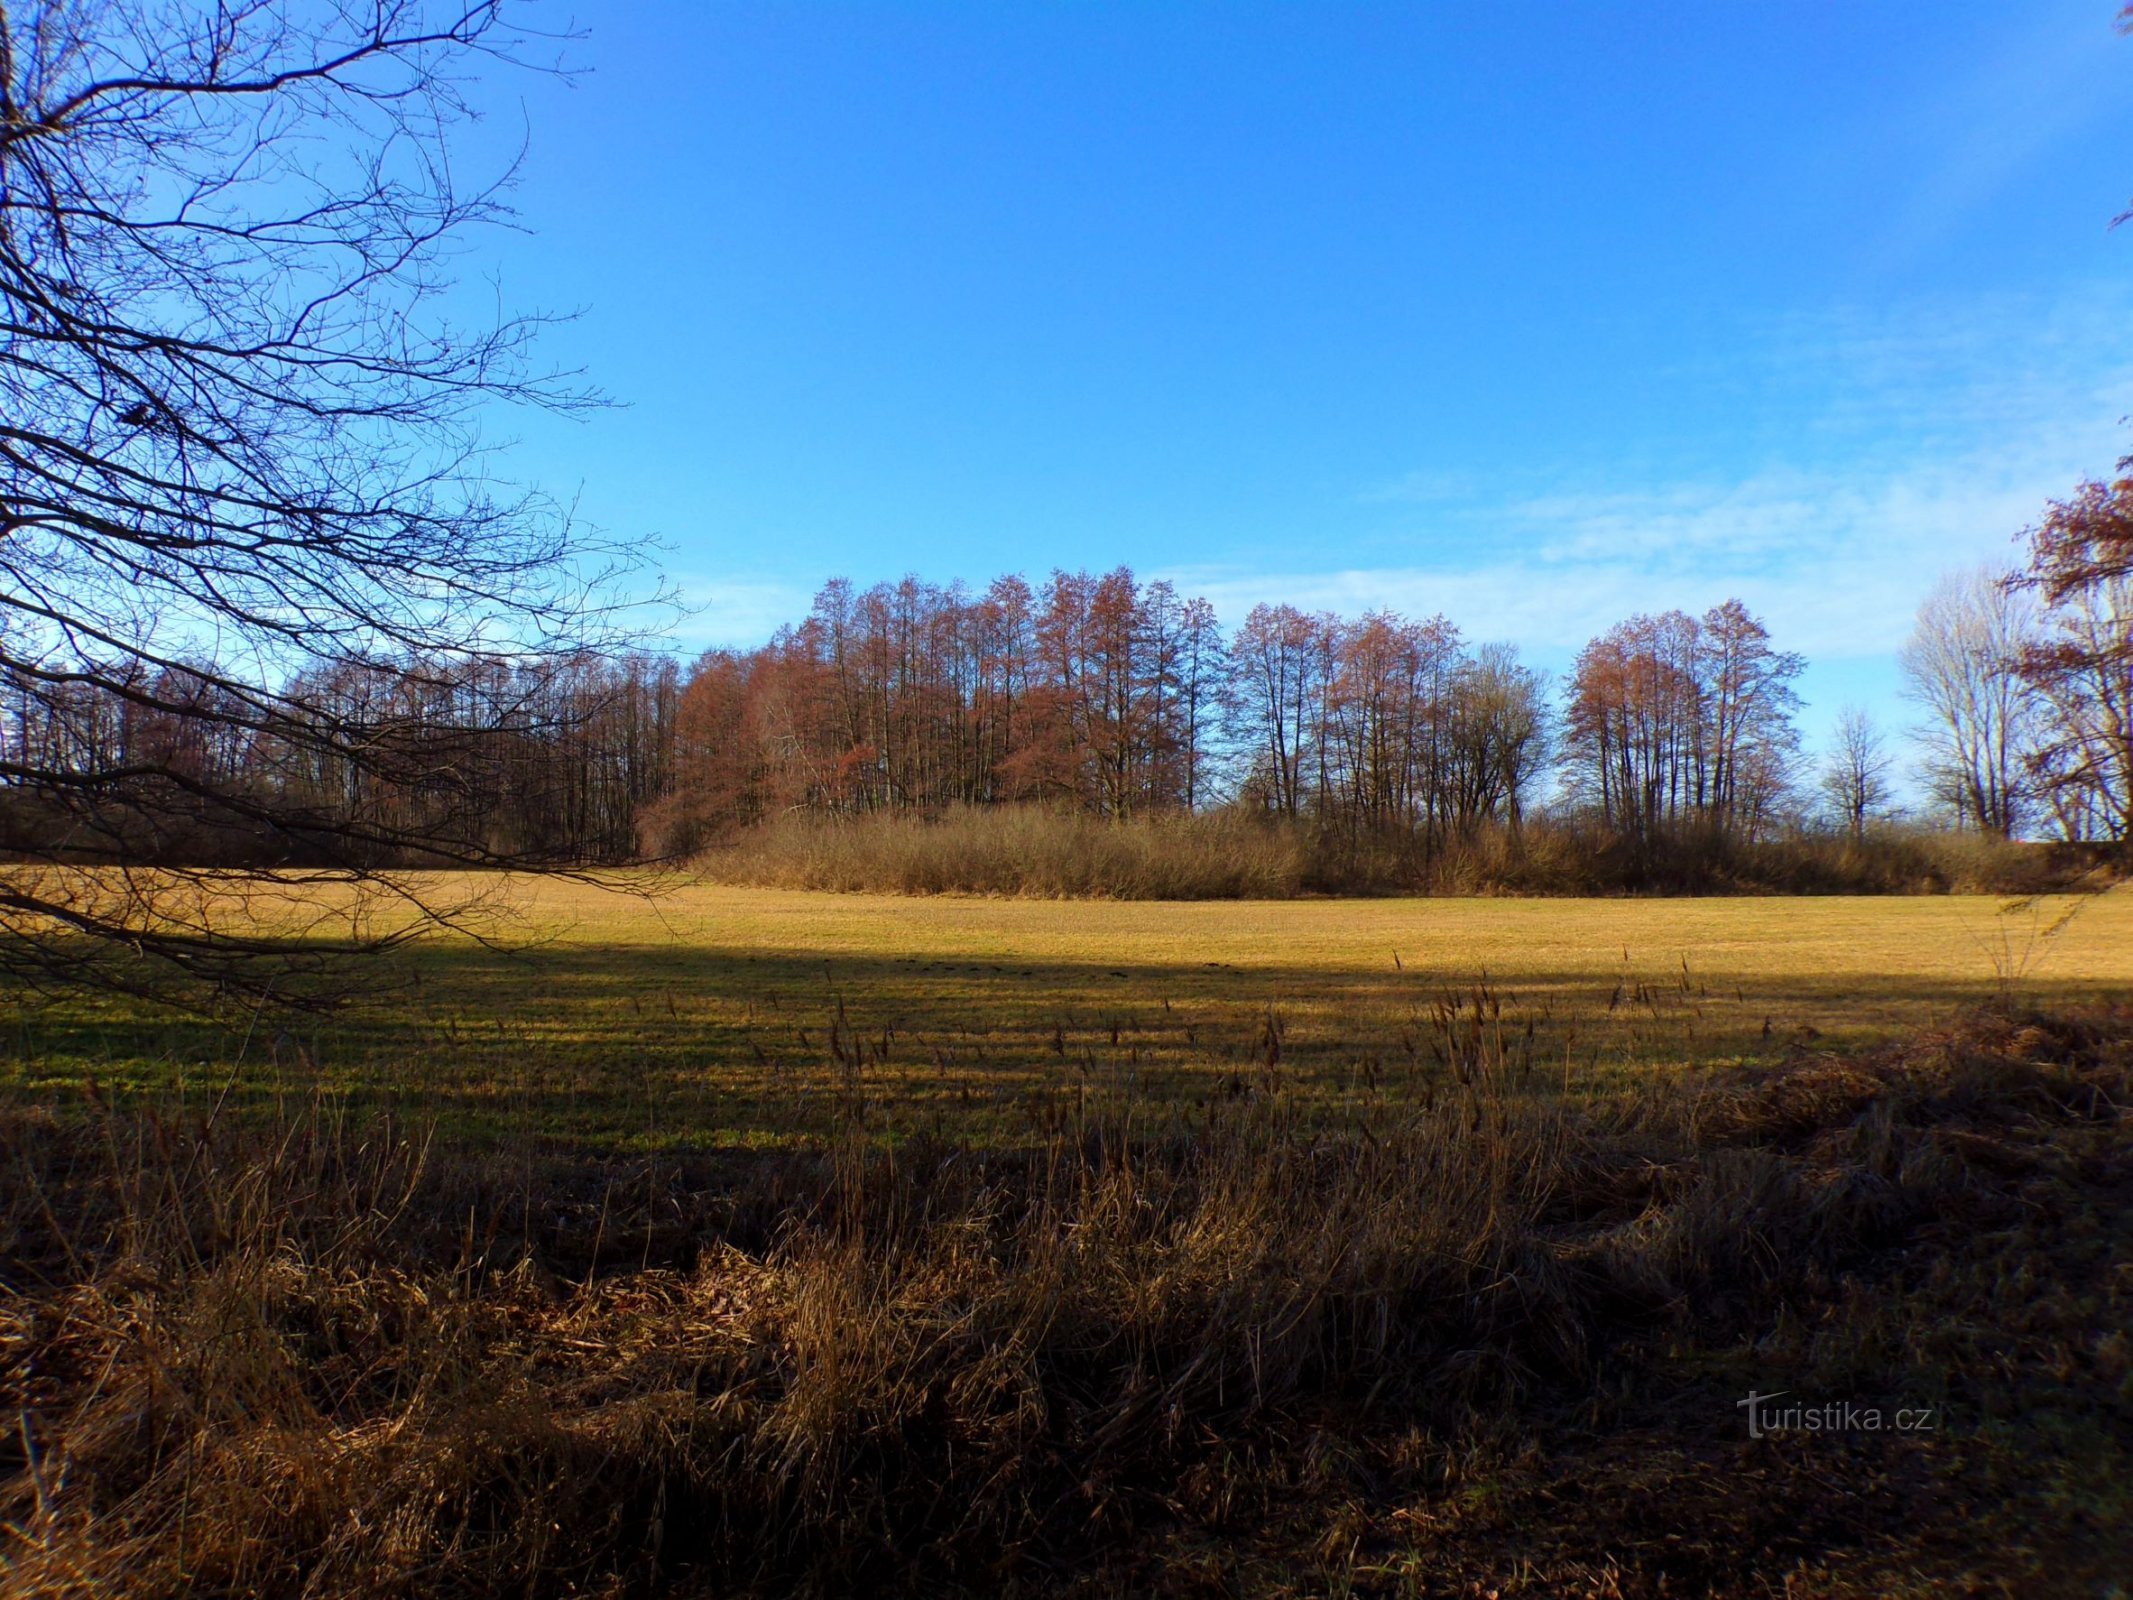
{"x":1912,"y":445}
{"x":737,"y":611}
{"x":1836,"y":566}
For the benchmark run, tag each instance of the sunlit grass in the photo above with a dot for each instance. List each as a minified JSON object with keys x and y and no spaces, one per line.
{"x":701,"y":1015}
{"x":1375,"y":1241}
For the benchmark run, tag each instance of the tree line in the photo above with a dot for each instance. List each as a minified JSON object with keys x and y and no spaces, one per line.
{"x":1124,"y":698}
{"x":1117,"y":697}
{"x":1105,"y":693}
{"x":354,"y":764}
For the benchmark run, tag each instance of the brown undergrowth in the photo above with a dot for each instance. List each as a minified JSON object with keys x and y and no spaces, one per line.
{"x":1491,"y":1343}
{"x":1234,"y":853}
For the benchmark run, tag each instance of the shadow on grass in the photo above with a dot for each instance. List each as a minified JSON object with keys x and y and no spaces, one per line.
{"x":1496,"y":1345}
{"x":644,"y":1047}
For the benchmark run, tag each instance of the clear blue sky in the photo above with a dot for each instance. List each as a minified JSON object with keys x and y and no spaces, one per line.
{"x":1533,"y":315}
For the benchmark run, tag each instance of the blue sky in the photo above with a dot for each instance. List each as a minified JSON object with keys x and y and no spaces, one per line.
{"x":1534,"y":316}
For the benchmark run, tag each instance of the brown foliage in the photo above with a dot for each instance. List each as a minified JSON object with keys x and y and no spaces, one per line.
{"x":1044,"y":852}
{"x":2081,"y":562}
{"x":1050,"y":852}
{"x":1674,"y":719}
{"x":1106,"y":695}
{"x":1098,"y":692}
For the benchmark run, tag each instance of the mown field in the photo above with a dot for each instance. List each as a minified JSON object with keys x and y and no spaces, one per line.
{"x":658,"y":1013}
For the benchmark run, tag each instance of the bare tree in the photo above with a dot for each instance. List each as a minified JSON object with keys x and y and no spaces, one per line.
{"x":2081,"y":663}
{"x":1855,"y":773}
{"x":1961,"y":664}
{"x":1748,"y":705}
{"x":1672,"y":719}
{"x":240,"y":456}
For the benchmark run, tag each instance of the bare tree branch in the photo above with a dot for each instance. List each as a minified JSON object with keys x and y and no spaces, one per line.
{"x":264,"y":595}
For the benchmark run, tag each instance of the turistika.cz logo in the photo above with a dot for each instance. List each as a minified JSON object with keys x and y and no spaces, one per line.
{"x":1766,"y":1417}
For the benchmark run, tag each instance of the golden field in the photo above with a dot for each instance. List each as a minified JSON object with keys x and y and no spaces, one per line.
{"x":661,"y":1011}
{"x":716,"y":1240}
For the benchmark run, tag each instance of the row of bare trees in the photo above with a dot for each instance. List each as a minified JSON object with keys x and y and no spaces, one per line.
{"x":1103,"y":692}
{"x":367,"y":763}
{"x":912,"y":697}
{"x":1674,"y":720}
{"x":1125,"y":698}
{"x":1114,"y":696}
{"x":1382,"y":722}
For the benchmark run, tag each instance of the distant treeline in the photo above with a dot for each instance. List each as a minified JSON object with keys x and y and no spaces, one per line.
{"x":1124,"y":700}
{"x":369,"y":762}
{"x":1101,"y":695}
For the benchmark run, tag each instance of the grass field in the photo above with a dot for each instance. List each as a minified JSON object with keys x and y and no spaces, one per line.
{"x":702,"y":1015}
{"x":754,"y":1242}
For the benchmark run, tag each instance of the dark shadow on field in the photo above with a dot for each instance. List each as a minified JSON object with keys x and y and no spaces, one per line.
{"x":1485,"y":1351}
{"x":691,"y":1046}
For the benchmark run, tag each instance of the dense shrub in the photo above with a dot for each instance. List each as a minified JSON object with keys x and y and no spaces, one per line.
{"x":1239,"y":854}
{"x":1023,"y":850}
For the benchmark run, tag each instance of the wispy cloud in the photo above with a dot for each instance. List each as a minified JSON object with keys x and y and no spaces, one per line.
{"x":1835,"y":564}
{"x":1891,"y":448}
{"x":1912,"y":445}
{"x":2050,"y":78}
{"x":736,"y":610}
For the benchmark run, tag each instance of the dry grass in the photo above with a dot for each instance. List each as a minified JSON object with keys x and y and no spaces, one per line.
{"x":1489,"y":1340}
{"x":701,"y":1020}
{"x":756,"y":1241}
{"x":1063,"y":853}
{"x":1047,"y":854}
